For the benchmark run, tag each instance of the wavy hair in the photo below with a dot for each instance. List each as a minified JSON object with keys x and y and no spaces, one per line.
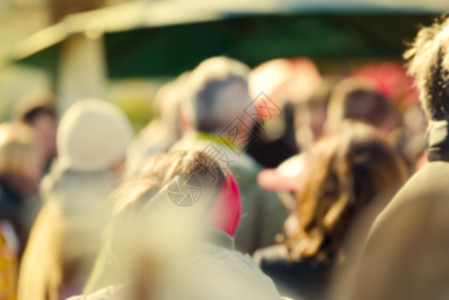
{"x":345,"y":171}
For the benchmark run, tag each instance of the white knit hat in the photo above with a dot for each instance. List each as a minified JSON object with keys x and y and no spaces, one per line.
{"x":93,"y":135}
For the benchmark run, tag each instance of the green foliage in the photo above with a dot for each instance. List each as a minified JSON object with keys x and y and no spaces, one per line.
{"x":139,"y":112}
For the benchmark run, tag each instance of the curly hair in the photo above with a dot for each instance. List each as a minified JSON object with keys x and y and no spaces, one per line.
{"x":428,"y":63}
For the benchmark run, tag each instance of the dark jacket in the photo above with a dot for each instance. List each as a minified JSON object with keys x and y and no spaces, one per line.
{"x":302,"y":280}
{"x":11,"y":210}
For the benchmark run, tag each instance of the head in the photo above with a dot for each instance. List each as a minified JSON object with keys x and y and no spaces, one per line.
{"x":150,"y":224}
{"x":428,"y":63}
{"x":93,"y":135}
{"x":216,"y":93}
{"x":310,"y":115}
{"x":345,"y":172}
{"x":167,"y":102}
{"x":21,"y":158}
{"x":184,"y":167}
{"x":38,"y":110}
{"x":292,"y":79}
{"x":356,"y":99}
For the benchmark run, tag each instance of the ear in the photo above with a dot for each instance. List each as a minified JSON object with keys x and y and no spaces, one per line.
{"x":118,"y":167}
{"x":184,"y":124}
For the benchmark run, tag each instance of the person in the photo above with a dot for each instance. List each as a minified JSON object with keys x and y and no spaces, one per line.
{"x":8,"y":261}
{"x":391,"y":80}
{"x":288,"y":83}
{"x":171,"y":235}
{"x":21,"y":168}
{"x":217,"y":115}
{"x":309,"y":123}
{"x":346,"y":171}
{"x":92,"y":139}
{"x":406,"y":256}
{"x":160,"y":133}
{"x":38,"y":110}
{"x":427,"y":59}
{"x":356,"y":99}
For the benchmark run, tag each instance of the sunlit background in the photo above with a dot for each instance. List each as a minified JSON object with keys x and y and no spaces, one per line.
{"x":123,"y":50}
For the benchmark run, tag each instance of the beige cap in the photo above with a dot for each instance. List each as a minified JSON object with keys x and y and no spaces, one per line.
{"x":93,"y":135}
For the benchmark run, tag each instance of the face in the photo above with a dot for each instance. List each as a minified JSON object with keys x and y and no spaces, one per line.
{"x":317,"y":119}
{"x":46,"y":126}
{"x":36,"y":171}
{"x":310,"y":124}
{"x":26,"y":182}
{"x":118,"y":167}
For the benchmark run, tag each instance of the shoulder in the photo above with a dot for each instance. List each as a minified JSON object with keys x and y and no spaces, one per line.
{"x":274,"y":260}
{"x":433,"y":177}
{"x":272,"y":255}
{"x":426,"y":190}
{"x":223,"y":268}
{"x":109,"y":293}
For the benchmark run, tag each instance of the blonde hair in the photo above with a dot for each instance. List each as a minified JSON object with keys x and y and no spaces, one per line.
{"x":158,"y":171}
{"x":125,"y":232}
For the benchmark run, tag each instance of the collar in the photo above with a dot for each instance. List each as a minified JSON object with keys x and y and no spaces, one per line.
{"x":10,"y":202}
{"x":438,"y":149}
{"x":217,"y":139}
{"x":8,"y":193}
{"x":219,"y":238}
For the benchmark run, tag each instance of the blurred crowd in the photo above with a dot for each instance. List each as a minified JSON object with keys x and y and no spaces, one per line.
{"x":267,"y":183}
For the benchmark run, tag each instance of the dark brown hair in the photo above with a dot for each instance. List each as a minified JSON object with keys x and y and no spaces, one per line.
{"x":356,"y":99}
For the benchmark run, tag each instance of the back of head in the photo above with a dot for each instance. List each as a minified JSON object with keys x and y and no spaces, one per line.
{"x":356,"y":99}
{"x":185,"y":179}
{"x":168,"y":97}
{"x":345,"y":172}
{"x":216,"y":93}
{"x":21,"y":158}
{"x":93,"y":135}
{"x":310,"y":115}
{"x":428,"y":62}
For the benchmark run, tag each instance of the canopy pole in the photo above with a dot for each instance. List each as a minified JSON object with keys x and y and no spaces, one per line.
{"x":82,"y":70}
